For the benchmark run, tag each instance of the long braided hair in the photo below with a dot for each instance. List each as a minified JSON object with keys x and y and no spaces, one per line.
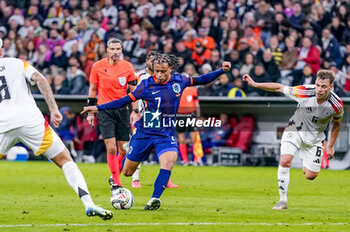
{"x":171,"y":60}
{"x":150,"y":55}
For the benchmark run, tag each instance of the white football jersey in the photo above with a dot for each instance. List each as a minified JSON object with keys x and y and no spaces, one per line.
{"x":311,"y":119}
{"x":17,"y":105}
{"x":142,"y":75}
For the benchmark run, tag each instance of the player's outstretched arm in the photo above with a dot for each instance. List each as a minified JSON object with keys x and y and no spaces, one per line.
{"x":116,"y":104}
{"x":334,"y":135}
{"x":269,"y":86}
{"x":209,"y":77}
{"x":45,"y":90}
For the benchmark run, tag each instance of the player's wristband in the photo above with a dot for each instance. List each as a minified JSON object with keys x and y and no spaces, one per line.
{"x":133,"y":83}
{"x":136,"y":111}
{"x":91,"y":101}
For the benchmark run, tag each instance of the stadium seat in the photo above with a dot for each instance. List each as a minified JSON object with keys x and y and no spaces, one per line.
{"x":242,"y":133}
{"x":232,"y":139}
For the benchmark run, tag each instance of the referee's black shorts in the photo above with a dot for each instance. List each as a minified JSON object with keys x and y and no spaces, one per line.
{"x":115,"y":123}
{"x":184,"y":118}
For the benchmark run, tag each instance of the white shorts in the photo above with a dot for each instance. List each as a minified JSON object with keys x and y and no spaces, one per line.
{"x":41,"y":139}
{"x":311,"y":155}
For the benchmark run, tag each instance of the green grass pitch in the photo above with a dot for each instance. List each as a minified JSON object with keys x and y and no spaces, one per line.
{"x":36,"y":197}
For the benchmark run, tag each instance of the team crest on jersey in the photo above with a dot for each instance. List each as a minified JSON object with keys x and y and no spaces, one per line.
{"x":176,"y":87}
{"x":122,"y":81}
{"x":2,"y":68}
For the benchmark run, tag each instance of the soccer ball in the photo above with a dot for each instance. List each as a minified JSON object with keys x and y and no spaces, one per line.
{"x":17,"y":153}
{"x":122,"y":198}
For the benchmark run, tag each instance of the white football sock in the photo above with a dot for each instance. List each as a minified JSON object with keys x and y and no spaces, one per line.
{"x":136,"y":175}
{"x":283,"y":182}
{"x":76,"y":180}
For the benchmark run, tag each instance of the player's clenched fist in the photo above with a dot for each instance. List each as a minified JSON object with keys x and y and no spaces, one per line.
{"x":56,"y":118}
{"x":330,"y":152}
{"x":249,"y":80}
{"x":226,"y":66}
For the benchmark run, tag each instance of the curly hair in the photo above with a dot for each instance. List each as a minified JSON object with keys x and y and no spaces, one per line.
{"x":150,"y":55}
{"x":171,"y":60}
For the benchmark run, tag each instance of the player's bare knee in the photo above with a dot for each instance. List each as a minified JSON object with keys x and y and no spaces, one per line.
{"x":167,"y":160}
{"x":285,"y":163}
{"x":111,"y":146}
{"x":111,"y":149}
{"x":122,"y":152}
{"x":62,"y":158}
{"x":286,"y":160}
{"x":168,"y":165}
{"x":181,"y":138}
{"x":127,"y":172}
{"x":310,"y":175}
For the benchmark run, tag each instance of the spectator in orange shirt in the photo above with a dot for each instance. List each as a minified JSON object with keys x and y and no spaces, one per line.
{"x":189,"y":39}
{"x":91,"y":47}
{"x":206,"y":40}
{"x":249,"y":35}
{"x":200,"y":54}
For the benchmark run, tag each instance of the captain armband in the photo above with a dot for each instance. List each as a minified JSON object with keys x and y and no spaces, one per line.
{"x":335,"y":119}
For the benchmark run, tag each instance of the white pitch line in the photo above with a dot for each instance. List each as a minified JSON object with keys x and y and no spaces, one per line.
{"x":179,"y":224}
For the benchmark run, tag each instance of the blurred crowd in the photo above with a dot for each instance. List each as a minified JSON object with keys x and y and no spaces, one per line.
{"x":278,"y":40}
